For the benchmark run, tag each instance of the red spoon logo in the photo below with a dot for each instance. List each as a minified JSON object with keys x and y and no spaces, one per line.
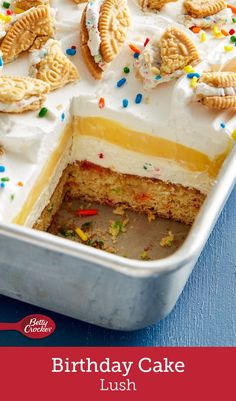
{"x":32,"y":326}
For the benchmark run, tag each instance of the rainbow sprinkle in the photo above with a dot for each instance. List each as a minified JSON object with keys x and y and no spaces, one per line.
{"x":71,"y":51}
{"x":228,"y":48}
{"x":203,"y":37}
{"x":193,"y":82}
{"x":125,"y":103}
{"x":138,"y":98}
{"x":146,"y":42}
{"x":193,"y":74}
{"x":121,"y":82}
{"x":101,"y":103}
{"x":43,"y":112}
{"x":234,"y":135}
{"x":126,"y":70}
{"x":188,"y":69}
{"x":81,"y":234}
{"x":134,"y":49}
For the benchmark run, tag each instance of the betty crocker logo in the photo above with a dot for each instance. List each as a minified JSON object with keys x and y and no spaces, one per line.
{"x":32,"y":326}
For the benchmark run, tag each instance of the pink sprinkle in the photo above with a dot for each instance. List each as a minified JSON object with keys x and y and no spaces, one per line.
{"x":9,"y":12}
{"x":146,"y":42}
{"x":232,"y":31}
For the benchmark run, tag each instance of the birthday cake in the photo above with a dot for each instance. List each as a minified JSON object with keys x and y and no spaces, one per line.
{"x":127,"y":103}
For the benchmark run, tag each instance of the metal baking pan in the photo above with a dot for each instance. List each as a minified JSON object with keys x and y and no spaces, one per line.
{"x":102,"y":288}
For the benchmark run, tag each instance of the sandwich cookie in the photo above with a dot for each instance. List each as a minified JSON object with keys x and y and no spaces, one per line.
{"x":19,"y":94}
{"x":164,"y":60}
{"x":205,"y":13}
{"x":104,"y":26}
{"x":216,"y":90}
{"x":154,"y":5}
{"x":27,"y":4}
{"x":30,"y":31}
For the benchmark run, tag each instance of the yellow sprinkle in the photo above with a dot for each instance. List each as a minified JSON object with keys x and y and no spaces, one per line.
{"x":5,"y":18}
{"x":234,"y":135}
{"x":188,"y":69}
{"x":203,"y":37}
{"x":193,"y":82}
{"x":228,"y":48}
{"x":18,"y":10}
{"x":216,"y":32}
{"x":81,"y":234}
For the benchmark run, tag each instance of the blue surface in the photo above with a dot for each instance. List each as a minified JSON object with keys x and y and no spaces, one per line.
{"x":204,"y":315}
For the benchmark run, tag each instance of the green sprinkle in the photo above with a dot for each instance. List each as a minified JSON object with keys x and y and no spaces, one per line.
{"x":234,"y":20}
{"x":126,"y":70}
{"x":50,"y":209}
{"x":146,"y":166}
{"x":5,"y":179}
{"x":144,"y":256}
{"x":66,"y":232}
{"x":233,"y":38}
{"x":96,"y":244}
{"x":6,"y":4}
{"x":86,"y":226}
{"x":43,"y":112}
{"x":12,"y":197}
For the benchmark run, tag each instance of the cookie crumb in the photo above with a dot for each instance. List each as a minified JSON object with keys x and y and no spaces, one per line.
{"x":168,"y":240}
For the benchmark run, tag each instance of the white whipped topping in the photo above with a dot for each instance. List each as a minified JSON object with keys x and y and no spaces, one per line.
{"x":208,"y":90}
{"x":221,"y":18}
{"x":165,"y":112}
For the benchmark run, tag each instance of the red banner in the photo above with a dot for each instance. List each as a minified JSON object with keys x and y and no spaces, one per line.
{"x":117,"y":373}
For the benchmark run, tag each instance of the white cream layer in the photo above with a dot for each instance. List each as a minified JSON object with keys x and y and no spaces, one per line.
{"x":92,"y":20}
{"x":208,"y":90}
{"x":13,"y":107}
{"x":125,"y":161}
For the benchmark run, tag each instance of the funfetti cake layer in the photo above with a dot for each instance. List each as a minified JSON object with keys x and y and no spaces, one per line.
{"x":119,"y":122}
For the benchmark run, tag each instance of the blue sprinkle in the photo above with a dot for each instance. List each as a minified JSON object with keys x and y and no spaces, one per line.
{"x":2,"y":169}
{"x":158,"y":77}
{"x":136,"y":55}
{"x":63,"y":117}
{"x":70,"y":52}
{"x":222,"y":125}
{"x":193,"y":74}
{"x":125,"y":103}
{"x":121,"y":82}
{"x":2,"y":185}
{"x":1,"y":62}
{"x":138,"y":98}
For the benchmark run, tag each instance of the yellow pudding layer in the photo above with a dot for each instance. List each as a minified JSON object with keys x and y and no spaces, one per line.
{"x":140,"y":142}
{"x":44,"y":177}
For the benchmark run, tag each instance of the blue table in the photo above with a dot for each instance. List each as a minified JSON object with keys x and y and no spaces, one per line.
{"x":205,"y":314}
